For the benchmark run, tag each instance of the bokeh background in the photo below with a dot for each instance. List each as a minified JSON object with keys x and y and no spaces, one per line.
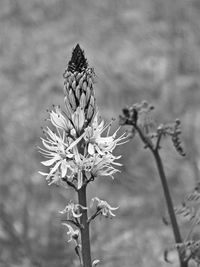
{"x":140,"y":49}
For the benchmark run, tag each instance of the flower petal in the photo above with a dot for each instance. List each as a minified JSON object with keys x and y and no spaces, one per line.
{"x":53,"y":170}
{"x":75,"y":142}
{"x":91,"y":150}
{"x":64,"y":166}
{"x":43,"y":173}
{"x":51,"y":161}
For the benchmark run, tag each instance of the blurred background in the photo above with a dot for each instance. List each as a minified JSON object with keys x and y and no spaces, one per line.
{"x":140,"y":49}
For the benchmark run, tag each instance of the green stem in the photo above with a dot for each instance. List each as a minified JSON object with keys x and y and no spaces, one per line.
{"x":85,"y":234}
{"x":170,"y":207}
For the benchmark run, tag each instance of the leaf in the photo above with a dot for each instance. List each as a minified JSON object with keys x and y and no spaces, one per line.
{"x":184,"y":212}
{"x":194,"y":196}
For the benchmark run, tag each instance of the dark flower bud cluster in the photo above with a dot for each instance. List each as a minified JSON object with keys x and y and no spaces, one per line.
{"x":129,"y":117}
{"x":174,"y":131}
{"x":132,"y":115}
{"x":139,"y":116}
{"x":176,"y":138}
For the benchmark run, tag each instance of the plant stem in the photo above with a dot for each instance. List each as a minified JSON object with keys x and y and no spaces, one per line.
{"x":85,"y":234}
{"x":170,"y":207}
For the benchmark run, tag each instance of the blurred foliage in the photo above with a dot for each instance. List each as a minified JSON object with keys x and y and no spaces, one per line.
{"x":141,"y":49}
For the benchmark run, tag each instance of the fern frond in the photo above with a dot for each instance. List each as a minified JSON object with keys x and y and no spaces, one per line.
{"x":185,"y":212}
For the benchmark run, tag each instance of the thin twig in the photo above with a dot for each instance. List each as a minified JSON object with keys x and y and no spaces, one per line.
{"x":157,"y":147}
{"x":71,"y":184}
{"x":144,"y":139}
{"x":77,"y":224}
{"x":92,"y":217}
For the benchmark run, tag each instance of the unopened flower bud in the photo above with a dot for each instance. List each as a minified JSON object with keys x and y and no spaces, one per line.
{"x":74,"y":85}
{"x":78,"y":91}
{"x":78,"y":86}
{"x":83,"y":100}
{"x":85,"y":86}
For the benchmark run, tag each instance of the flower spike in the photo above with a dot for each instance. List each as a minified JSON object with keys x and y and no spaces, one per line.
{"x":78,"y":148}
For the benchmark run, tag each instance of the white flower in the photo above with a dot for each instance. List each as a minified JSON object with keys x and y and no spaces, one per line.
{"x":72,"y":210}
{"x":90,"y":167}
{"x":55,"y":178}
{"x":73,"y":234}
{"x":59,"y":151}
{"x":77,"y":168}
{"x":98,"y":165}
{"x":106,"y":209}
{"x":99,"y":144}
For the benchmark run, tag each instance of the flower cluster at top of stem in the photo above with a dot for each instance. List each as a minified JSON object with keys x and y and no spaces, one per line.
{"x":78,"y":147}
{"x":76,"y":151}
{"x":140,"y":118}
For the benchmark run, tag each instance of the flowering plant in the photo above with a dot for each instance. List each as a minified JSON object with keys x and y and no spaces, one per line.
{"x":77,"y":153}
